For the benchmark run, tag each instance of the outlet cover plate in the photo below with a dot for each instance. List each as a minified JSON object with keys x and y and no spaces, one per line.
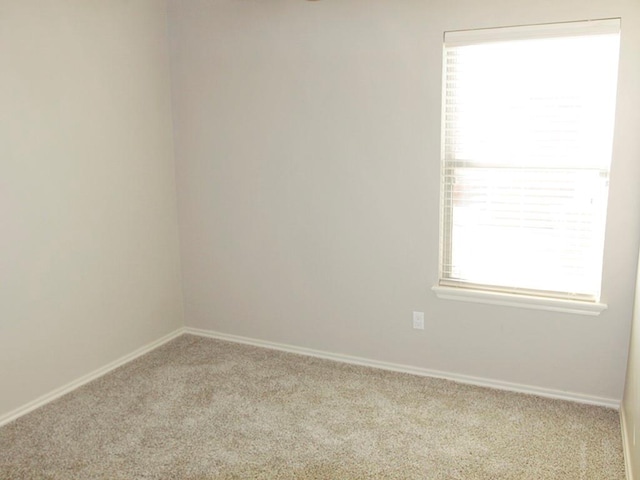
{"x":418,"y":320}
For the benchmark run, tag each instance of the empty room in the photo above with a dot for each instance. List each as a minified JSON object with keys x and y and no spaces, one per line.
{"x":319,"y":239}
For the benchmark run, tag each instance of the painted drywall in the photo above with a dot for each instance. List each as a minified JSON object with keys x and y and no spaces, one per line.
{"x":307,"y":151}
{"x":630,"y":409}
{"x":89,"y":256}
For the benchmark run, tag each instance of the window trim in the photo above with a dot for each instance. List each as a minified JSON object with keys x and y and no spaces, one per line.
{"x":601,"y":26}
{"x":524,"y":301}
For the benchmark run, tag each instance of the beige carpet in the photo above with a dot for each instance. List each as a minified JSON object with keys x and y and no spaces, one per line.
{"x":199,"y":408}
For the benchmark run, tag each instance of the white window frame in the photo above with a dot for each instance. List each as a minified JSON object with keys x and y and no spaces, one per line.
{"x":447,"y":289}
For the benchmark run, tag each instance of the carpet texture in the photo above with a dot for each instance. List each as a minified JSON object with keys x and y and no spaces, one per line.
{"x":198,"y":408}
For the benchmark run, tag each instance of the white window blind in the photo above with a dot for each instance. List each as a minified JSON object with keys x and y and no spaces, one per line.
{"x":528,"y":116}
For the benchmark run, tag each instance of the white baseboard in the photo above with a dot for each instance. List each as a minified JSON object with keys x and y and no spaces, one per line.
{"x":58,"y":392}
{"x":466,"y":379}
{"x":626,"y":448}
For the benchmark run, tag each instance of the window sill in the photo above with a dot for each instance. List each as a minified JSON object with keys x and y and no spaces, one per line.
{"x":522,"y":301}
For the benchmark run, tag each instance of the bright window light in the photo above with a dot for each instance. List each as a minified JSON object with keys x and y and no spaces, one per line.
{"x":528,"y":117}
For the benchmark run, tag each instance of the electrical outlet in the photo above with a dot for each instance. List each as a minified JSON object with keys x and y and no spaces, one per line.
{"x":418,"y":320}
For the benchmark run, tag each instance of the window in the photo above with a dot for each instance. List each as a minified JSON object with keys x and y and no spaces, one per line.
{"x":528,"y":115}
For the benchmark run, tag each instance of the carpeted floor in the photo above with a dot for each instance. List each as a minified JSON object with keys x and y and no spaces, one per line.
{"x":198,"y":408}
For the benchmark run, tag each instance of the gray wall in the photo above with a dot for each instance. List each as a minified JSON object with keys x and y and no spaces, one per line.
{"x":631,"y":401}
{"x":89,"y":257}
{"x":308,"y":148}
